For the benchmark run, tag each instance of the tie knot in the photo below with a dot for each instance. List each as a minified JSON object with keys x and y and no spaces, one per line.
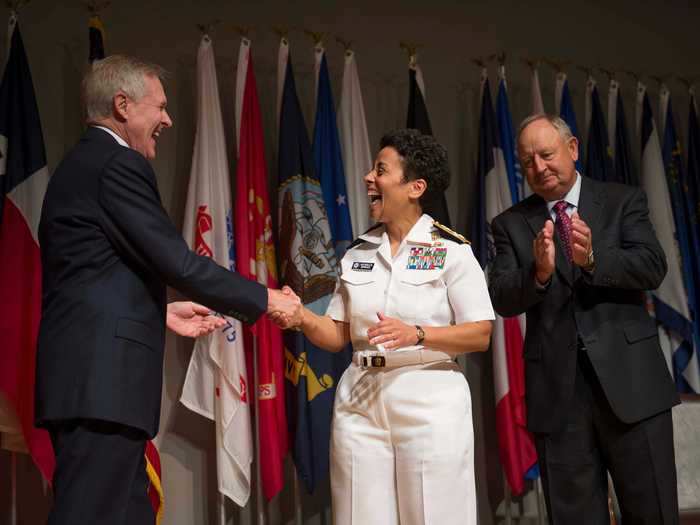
{"x":560,"y":206}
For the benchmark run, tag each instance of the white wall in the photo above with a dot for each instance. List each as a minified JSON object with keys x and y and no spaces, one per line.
{"x":653,"y":38}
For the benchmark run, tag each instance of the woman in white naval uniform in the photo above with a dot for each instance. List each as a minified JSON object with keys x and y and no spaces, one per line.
{"x":411,"y":296}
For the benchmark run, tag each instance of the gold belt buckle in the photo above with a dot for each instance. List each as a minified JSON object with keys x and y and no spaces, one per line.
{"x":373,"y":361}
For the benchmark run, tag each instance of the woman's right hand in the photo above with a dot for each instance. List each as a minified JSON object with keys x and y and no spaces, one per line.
{"x":287,"y":321}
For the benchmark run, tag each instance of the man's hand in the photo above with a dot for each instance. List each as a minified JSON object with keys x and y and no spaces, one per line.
{"x":190,"y":319}
{"x":392,"y":333}
{"x":284,"y":307}
{"x":581,"y":241}
{"x":543,"y":251}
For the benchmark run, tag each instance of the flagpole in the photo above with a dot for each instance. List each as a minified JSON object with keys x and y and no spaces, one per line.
{"x":507,"y":501}
{"x":541,"y":511}
{"x":222,"y":509}
{"x":13,"y":489}
{"x":258,"y":476}
{"x":297,"y":499}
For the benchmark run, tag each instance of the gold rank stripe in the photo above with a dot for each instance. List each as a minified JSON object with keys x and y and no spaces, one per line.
{"x":451,"y":232}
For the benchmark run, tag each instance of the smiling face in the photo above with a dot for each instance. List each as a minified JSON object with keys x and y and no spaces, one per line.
{"x":547,"y":159}
{"x":390,"y":194}
{"x":146,"y":117}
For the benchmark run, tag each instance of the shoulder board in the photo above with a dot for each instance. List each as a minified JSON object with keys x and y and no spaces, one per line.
{"x":447,"y":233}
{"x":360,"y":240}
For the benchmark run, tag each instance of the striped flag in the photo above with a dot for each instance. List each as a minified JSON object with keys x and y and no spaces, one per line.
{"x":357,"y":160}
{"x":686,"y":367}
{"x":255,"y":259}
{"x":328,"y":157}
{"x":670,"y":299}
{"x":506,"y":137}
{"x":515,"y":443}
{"x":23,"y":181}
{"x":216,"y":384}
{"x":417,"y":118}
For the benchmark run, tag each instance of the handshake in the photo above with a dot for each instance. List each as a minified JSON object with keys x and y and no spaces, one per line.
{"x":284,"y":308}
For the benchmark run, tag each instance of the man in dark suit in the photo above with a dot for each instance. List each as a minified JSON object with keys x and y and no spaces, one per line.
{"x":577,"y":258}
{"x":108,"y":251}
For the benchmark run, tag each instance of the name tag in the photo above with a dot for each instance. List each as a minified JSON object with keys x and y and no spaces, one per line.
{"x":362,"y":266}
{"x":426,"y":258}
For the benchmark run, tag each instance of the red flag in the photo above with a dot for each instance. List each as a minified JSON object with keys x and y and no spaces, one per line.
{"x":155,"y":487}
{"x":23,"y":181}
{"x":255,"y":259}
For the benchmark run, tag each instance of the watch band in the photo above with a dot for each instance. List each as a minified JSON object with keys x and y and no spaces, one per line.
{"x":420,"y":333}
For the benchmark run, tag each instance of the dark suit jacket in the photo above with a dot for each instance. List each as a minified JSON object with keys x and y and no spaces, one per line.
{"x":108,"y":250}
{"x":606,"y":310}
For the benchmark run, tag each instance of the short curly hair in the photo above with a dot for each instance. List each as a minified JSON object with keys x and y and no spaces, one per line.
{"x":422,"y":157}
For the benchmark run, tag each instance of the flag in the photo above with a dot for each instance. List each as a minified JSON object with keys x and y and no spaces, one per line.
{"x":693,"y":179}
{"x":599,"y":162}
{"x":307,"y":265}
{"x":23,"y":181}
{"x":255,"y":259}
{"x":619,"y":138}
{"x":536,"y":92}
{"x":537,"y":109}
{"x":328,"y":158}
{"x":155,"y":487}
{"x":418,"y":119}
{"x":515,"y":443}
{"x":96,"y":36}
{"x":506,"y":138}
{"x":357,"y":160}
{"x":565,"y":107}
{"x":216,"y":384}
{"x":670,"y":301}
{"x":687,"y":240}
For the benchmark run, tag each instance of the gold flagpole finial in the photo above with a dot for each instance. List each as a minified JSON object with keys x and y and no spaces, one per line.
{"x":208,"y":29}
{"x":587,"y":70}
{"x":499,"y":57}
{"x":16,"y":5}
{"x":316,"y":36}
{"x":282,"y":32}
{"x":479,"y":62}
{"x":411,"y":49}
{"x":608,"y":73}
{"x":243,"y":31}
{"x":635,"y":76}
{"x":557,"y":65}
{"x":660,"y":79}
{"x":347,"y":44}
{"x":95,"y":7}
{"x":532,"y":63}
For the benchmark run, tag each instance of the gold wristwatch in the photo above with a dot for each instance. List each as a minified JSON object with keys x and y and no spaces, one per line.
{"x":420,"y":333}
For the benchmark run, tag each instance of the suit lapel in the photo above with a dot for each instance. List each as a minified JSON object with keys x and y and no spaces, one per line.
{"x":590,"y":205}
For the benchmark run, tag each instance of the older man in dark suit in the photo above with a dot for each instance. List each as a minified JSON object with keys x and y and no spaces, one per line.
{"x":108,"y":251}
{"x":577,"y":258}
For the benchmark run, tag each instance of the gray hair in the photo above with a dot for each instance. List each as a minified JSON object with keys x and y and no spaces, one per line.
{"x":557,"y":123}
{"x":113,"y":74}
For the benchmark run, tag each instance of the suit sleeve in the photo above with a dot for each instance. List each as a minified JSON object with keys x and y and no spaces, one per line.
{"x":143,"y":234}
{"x":637,"y":261}
{"x":511,"y":286}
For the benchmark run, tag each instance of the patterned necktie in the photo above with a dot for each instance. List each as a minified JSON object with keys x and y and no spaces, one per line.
{"x":564,"y":227}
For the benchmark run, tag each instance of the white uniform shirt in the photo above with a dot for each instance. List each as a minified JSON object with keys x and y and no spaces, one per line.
{"x":431,"y":281}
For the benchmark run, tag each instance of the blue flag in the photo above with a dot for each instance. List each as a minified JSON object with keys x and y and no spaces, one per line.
{"x":329,"y":163}
{"x":598,"y":163}
{"x":624,"y":169}
{"x":693,"y":179}
{"x":308,"y":265}
{"x":506,"y":139}
{"x":687,"y":237}
{"x":566,"y":112}
{"x":417,"y":118}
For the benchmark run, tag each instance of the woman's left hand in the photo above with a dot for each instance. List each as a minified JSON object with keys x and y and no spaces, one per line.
{"x":392,"y":333}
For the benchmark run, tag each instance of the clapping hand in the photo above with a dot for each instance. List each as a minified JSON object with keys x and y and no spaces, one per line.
{"x":543,"y":251}
{"x":190,"y":319}
{"x":392,"y":333}
{"x":284,"y":308}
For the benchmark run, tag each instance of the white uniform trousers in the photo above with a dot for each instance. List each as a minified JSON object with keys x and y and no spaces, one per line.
{"x":402,"y":447}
